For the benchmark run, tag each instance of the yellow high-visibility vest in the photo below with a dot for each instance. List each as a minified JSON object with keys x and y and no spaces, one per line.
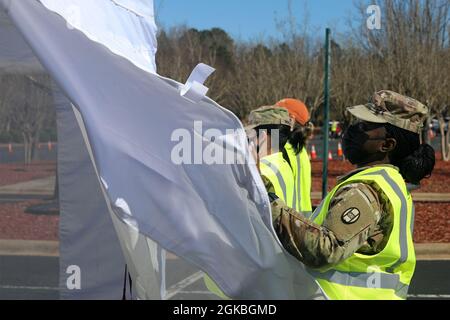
{"x":301,"y":167}
{"x":214,"y":288}
{"x":387,"y":274}
{"x":275,"y":168}
{"x":334,"y":126}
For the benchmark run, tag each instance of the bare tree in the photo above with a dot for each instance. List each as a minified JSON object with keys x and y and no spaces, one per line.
{"x":410,"y":55}
{"x":410,"y":52}
{"x":26,"y":106}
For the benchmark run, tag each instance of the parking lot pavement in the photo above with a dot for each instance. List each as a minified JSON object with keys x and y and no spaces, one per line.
{"x":29,"y":278}
{"x":36,"y":278}
{"x":26,"y":277}
{"x":431,"y":280}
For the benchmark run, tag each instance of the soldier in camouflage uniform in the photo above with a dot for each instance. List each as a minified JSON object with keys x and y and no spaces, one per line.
{"x":263,"y":132}
{"x":267,"y":116}
{"x":375,"y":140}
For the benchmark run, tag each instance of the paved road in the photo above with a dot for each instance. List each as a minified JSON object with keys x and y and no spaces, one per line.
{"x":24,"y":278}
{"x":431,"y":280}
{"x":37,"y":278}
{"x":28,"y":277}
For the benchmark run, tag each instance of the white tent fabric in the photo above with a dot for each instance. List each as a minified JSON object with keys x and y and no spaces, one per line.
{"x":216,"y":216}
{"x":15,"y":55}
{"x":87,"y":235}
{"x":87,"y":239}
{"x":144,"y":258}
{"x":126,"y":27}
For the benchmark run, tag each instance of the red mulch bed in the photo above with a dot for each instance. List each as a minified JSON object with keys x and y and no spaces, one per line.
{"x":432,"y":222}
{"x":336,"y":168}
{"x":432,"y":219}
{"x":16,"y":224}
{"x":439,"y":182}
{"x":15,"y":173}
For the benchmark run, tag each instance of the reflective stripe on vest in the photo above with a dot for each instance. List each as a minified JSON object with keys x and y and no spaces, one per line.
{"x":279,"y":173}
{"x":403,"y":219}
{"x":392,"y":268}
{"x":301,"y":167}
{"x":365,"y":280}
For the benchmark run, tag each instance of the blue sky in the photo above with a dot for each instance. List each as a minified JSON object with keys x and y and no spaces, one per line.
{"x":251,"y":19}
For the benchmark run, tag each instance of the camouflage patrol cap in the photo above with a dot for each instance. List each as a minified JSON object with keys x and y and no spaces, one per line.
{"x":269,"y":115}
{"x":391,"y":107}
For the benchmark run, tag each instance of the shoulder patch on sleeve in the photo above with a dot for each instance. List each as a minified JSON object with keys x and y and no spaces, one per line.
{"x":355,"y":211}
{"x":350,"y":215}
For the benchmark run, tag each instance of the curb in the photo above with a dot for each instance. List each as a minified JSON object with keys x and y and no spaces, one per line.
{"x":41,"y":186}
{"x":424,"y":251}
{"x":29,"y":248}
{"x":25,"y":194}
{"x":432,"y":251}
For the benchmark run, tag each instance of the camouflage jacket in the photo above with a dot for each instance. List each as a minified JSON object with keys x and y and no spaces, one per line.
{"x":326,"y":245}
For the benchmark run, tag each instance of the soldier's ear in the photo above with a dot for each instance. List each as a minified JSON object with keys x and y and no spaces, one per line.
{"x":388,"y":145}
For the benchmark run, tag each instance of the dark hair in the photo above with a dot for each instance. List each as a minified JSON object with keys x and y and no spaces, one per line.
{"x":299,"y":136}
{"x":415,"y":161}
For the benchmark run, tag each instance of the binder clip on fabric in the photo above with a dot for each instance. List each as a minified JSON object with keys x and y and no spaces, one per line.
{"x":194,"y":90}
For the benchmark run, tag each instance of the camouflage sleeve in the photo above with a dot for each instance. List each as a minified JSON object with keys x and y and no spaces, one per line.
{"x":269,"y":186}
{"x":354,"y":212}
